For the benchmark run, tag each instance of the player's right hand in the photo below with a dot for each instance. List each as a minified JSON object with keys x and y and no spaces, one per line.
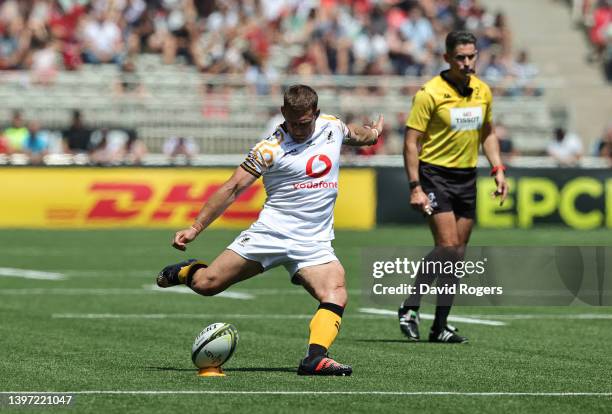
{"x":419,"y":201}
{"x":181,"y":238}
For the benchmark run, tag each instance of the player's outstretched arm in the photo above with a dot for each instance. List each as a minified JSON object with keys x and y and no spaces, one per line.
{"x":490,"y":147}
{"x":360,"y":135}
{"x":215,"y":206}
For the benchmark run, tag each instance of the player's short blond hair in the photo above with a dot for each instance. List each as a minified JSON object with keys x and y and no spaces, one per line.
{"x":300,"y":98}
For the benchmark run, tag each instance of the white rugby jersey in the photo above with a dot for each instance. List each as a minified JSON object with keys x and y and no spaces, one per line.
{"x":301,"y":180}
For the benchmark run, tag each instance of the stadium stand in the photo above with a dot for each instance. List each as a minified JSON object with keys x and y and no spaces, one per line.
{"x":213,"y":70}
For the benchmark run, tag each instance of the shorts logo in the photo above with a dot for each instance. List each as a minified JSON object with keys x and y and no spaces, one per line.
{"x":323,"y":166}
{"x":432,"y":200}
{"x":244,"y":240}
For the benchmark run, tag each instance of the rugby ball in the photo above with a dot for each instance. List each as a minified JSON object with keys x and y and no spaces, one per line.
{"x":214,"y":345}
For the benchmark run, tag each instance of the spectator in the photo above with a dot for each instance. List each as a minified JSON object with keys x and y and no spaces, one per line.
{"x":77,"y":138}
{"x":101,"y":37}
{"x":368,"y":47}
{"x":602,"y":19}
{"x":14,"y":44}
{"x":37,"y":144}
{"x":4,"y":145}
{"x":101,"y":152}
{"x":604,"y":145}
{"x":129,"y":83}
{"x":498,"y":33}
{"x":17,"y":133}
{"x":261,"y":78}
{"x":419,"y":34}
{"x":132,"y":14}
{"x":145,"y":34}
{"x":608,"y":53}
{"x":180,"y":31}
{"x":494,"y":71}
{"x":43,"y":61}
{"x":566,"y":148}
{"x":180,"y":147}
{"x":525,"y":73}
{"x":506,"y":146}
{"x":133,"y":151}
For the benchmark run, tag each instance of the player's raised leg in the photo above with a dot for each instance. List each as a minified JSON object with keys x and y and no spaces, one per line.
{"x":228,"y":268}
{"x":325,"y":283}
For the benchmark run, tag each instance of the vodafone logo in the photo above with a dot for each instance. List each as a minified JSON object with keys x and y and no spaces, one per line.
{"x":318,"y":166}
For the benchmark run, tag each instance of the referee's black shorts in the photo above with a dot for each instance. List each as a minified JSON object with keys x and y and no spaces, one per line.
{"x":449,"y":189}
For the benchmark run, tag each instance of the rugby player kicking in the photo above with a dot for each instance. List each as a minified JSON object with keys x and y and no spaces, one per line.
{"x":450,"y":118}
{"x":299,"y":164}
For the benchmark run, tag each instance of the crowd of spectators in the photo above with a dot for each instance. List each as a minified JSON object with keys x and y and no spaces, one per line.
{"x":118,"y":146}
{"x":99,"y":146}
{"x":256,"y":38}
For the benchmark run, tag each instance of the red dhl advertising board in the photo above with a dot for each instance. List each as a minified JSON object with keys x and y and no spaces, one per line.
{"x":151,"y":197}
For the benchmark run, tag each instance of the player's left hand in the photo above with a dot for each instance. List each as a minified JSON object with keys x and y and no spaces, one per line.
{"x":502,"y":187}
{"x":182,"y":237}
{"x":378,"y":125}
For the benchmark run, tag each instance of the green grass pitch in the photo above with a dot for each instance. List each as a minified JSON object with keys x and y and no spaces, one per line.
{"x":143,"y":343}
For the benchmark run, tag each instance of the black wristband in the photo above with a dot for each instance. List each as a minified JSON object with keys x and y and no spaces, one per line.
{"x":414,"y":184}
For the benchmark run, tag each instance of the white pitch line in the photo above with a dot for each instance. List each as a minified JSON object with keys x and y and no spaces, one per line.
{"x":110,"y":273}
{"x":192,"y":316}
{"x":185,"y":289}
{"x":74,"y":291}
{"x":30,"y":274}
{"x":146,"y":290}
{"x":172,"y":316}
{"x":397,"y":393}
{"x":526,"y":316}
{"x":374,"y":311}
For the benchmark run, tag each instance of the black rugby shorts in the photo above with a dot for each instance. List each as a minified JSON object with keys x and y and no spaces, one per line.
{"x":449,"y":189}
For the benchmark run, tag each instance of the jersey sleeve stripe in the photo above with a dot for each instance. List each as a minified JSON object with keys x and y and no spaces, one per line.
{"x":250,"y":170}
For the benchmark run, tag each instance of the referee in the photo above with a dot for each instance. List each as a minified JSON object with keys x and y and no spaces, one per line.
{"x":450,"y":118}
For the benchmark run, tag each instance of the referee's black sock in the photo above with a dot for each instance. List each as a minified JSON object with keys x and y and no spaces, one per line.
{"x":440,"y":320}
{"x":426,"y":276}
{"x":445,"y":300}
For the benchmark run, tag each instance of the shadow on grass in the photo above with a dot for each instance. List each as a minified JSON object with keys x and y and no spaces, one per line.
{"x":246,"y":369}
{"x":404,"y":341}
{"x":260,"y":369}
{"x":388,"y":341}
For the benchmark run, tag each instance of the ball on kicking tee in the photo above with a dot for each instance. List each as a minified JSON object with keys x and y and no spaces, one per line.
{"x":214,"y":345}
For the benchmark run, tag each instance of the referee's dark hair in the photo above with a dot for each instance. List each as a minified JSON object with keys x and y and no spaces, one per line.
{"x":459,"y":37}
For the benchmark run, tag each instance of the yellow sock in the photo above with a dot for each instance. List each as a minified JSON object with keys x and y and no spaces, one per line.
{"x":187,"y":271}
{"x":324,"y":327}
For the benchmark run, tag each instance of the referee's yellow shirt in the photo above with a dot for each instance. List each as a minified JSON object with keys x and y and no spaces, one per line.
{"x":451,"y":123}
